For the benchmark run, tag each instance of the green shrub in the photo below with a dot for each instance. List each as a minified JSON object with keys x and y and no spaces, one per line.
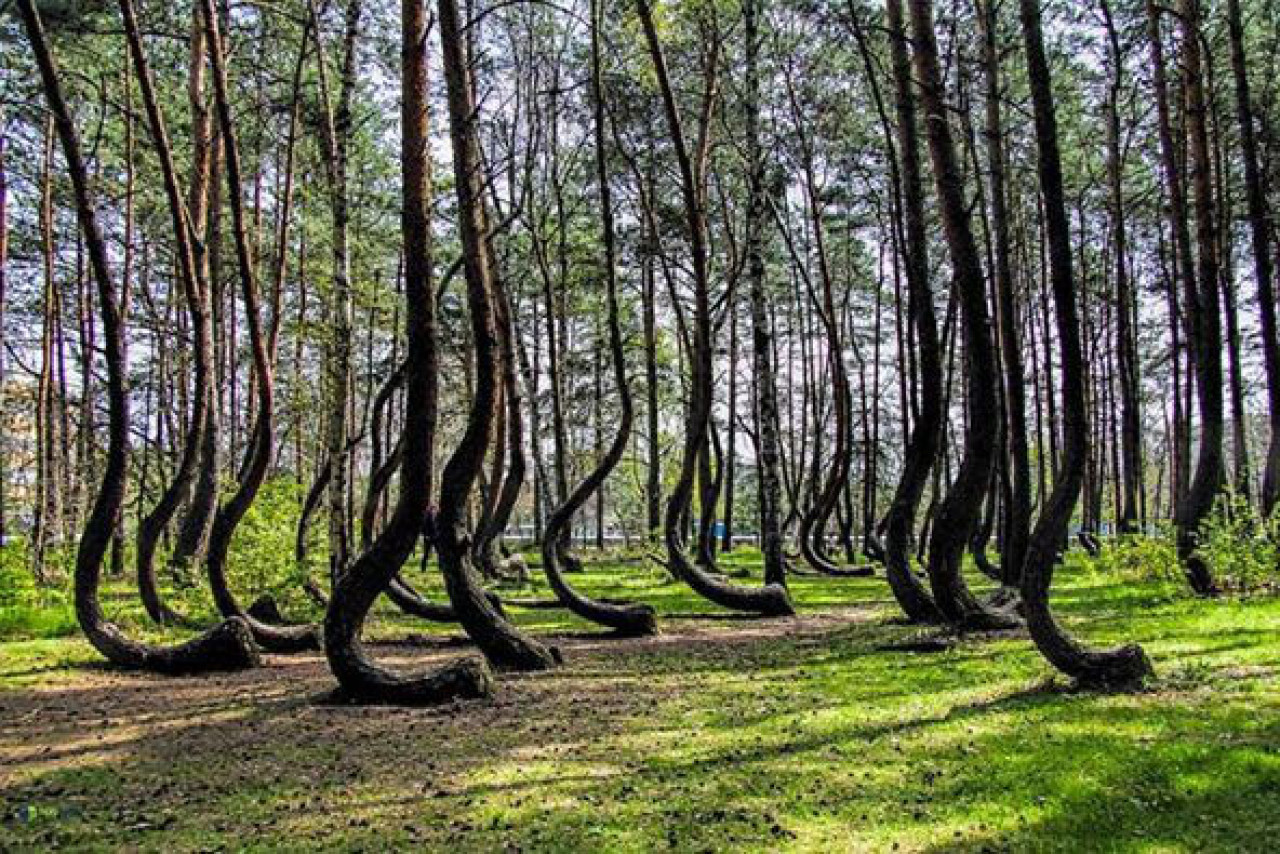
{"x":1241,"y":546}
{"x":1140,"y":557}
{"x":27,"y":610}
{"x":261,"y":556}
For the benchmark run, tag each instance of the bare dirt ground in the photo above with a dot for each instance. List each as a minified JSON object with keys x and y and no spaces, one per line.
{"x":87,"y":753}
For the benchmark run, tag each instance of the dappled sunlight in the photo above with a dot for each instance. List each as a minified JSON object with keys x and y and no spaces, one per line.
{"x":798,"y":733}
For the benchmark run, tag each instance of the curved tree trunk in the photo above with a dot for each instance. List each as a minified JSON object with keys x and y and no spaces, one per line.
{"x":193,"y":529}
{"x":1128,"y":664}
{"x":958,"y":512}
{"x":926,"y":436}
{"x":376,"y":568}
{"x":626,"y":618}
{"x":380,"y":470}
{"x":772,"y":599}
{"x":310,"y":504}
{"x":271,"y":638}
{"x":502,"y":643}
{"x":506,"y":488}
{"x":151,"y":527}
{"x":227,"y":646}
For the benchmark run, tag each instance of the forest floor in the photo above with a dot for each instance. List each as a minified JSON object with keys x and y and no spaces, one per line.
{"x":721,"y":733}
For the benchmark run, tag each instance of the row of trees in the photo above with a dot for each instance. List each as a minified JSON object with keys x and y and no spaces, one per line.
{"x":873,"y":311}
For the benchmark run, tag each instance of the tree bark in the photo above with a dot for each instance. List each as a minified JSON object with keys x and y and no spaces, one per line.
{"x":232,"y":512}
{"x":377,"y":566}
{"x":1131,"y":479}
{"x":1016,"y":501}
{"x":152,"y":526}
{"x":772,"y":599}
{"x":926,"y":436}
{"x":1128,"y":664}
{"x":502,"y":643}
{"x":228,"y":646}
{"x":765,"y":379}
{"x":1263,"y":263}
{"x":957,"y":515}
{"x":1203,"y":311}
{"x":627,"y":619}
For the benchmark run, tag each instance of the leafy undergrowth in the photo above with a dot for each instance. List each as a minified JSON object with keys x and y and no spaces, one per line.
{"x":722,"y":733}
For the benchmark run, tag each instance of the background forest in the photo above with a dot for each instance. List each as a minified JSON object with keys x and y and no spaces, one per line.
{"x":898,"y":343}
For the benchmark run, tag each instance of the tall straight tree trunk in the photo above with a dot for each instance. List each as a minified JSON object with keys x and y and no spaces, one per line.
{"x":1127,"y":664}
{"x":1263,"y":263}
{"x":1131,"y":478}
{"x":1184,"y":297}
{"x":765,"y":372}
{"x":729,"y":465}
{"x":47,"y":515}
{"x":1227,"y":292}
{"x":1203,"y":310}
{"x":649,"y":283}
{"x":336,"y":135}
{"x":193,"y":531}
{"x":1016,"y":523}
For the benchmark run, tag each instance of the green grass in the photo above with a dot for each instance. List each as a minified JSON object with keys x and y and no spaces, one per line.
{"x":728,"y":734}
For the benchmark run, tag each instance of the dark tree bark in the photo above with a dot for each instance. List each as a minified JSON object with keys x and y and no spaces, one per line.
{"x":926,"y":436}
{"x":377,"y":567}
{"x":502,"y":643}
{"x":1016,"y":499}
{"x":510,"y":445}
{"x":381,"y":469}
{"x":830,"y":481}
{"x":1263,"y":263}
{"x":957,"y":515}
{"x":1203,"y":313}
{"x":1126,"y":301}
{"x":229,"y":645}
{"x":653,"y":468}
{"x":153,"y":525}
{"x":729,"y":465}
{"x":626,"y":618}
{"x":765,"y":379}
{"x":772,"y":599}
{"x":1128,"y":664}
{"x":258,"y":459}
{"x":192,"y":541}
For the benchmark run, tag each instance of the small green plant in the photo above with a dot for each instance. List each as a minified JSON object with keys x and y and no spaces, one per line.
{"x":1241,"y":546}
{"x":1140,"y":557}
{"x":26,"y":609}
{"x":261,"y":559}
